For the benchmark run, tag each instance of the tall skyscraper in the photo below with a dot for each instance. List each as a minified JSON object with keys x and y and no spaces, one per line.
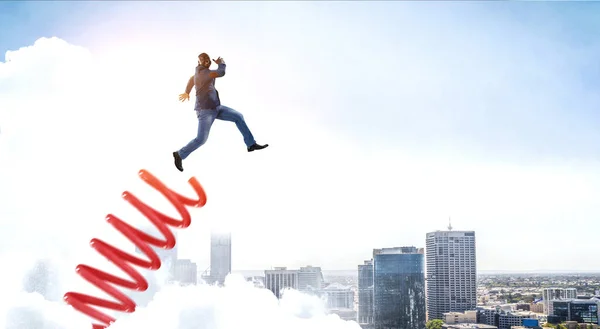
{"x":220,"y":256}
{"x":399,"y":288}
{"x":451,"y":272}
{"x":365,"y":292}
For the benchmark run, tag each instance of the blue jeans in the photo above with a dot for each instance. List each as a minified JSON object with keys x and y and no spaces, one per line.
{"x":205,"y":121}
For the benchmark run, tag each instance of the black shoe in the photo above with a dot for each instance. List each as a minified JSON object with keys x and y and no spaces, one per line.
{"x":257,"y":147}
{"x":178,"y":161}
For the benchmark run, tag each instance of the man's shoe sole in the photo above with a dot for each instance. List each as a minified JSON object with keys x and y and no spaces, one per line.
{"x":177,"y":159}
{"x":252,"y":150}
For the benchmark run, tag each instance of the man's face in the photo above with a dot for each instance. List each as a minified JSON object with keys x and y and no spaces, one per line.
{"x":204,"y":61}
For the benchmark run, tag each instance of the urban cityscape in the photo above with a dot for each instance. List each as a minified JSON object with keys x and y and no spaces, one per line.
{"x":410,"y":287}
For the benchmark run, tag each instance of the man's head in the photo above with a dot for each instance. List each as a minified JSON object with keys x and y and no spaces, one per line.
{"x":204,"y":60}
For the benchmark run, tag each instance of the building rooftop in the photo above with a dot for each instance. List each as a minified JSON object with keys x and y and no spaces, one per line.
{"x":461,"y":313}
{"x":397,"y":250}
{"x":523,"y":313}
{"x":469,"y":326}
{"x":337,"y":286}
{"x":578,"y":301}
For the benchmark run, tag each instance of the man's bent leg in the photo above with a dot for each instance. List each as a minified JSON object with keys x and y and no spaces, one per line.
{"x":229,"y":114}
{"x":205,"y":121}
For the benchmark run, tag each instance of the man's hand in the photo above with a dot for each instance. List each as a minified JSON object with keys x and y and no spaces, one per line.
{"x":184,"y":97}
{"x":219,"y":61}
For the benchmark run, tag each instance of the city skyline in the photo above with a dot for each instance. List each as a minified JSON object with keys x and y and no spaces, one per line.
{"x":326,"y":269}
{"x":255,"y":271}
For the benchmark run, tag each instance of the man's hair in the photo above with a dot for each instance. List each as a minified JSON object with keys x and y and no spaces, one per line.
{"x":203,"y":55}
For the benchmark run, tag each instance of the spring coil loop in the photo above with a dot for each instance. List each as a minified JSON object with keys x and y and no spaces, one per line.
{"x":83,"y":303}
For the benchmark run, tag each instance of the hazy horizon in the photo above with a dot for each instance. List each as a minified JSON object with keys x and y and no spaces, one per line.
{"x":355,"y":271}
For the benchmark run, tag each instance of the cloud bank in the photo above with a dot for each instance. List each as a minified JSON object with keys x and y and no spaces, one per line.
{"x":54,"y":177}
{"x":35,"y":304}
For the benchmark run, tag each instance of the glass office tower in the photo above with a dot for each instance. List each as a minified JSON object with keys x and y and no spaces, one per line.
{"x":399,"y":288}
{"x":365,"y":292}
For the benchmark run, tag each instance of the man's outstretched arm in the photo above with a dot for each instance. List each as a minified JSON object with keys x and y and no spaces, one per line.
{"x":219,"y":72}
{"x":188,"y":90}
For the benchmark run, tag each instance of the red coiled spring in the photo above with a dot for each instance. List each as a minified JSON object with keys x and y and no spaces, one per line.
{"x":143,"y":241}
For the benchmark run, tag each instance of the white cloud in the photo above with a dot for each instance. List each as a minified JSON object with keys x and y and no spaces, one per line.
{"x":238,"y":304}
{"x":66,"y":130}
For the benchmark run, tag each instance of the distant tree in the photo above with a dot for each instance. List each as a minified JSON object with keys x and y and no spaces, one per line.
{"x":434,"y":324}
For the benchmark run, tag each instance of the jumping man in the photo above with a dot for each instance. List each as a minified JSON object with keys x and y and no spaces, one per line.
{"x":208,"y":108}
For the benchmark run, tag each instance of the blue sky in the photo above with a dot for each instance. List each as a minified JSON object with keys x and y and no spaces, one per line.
{"x":486,"y":112}
{"x":359,"y":58}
